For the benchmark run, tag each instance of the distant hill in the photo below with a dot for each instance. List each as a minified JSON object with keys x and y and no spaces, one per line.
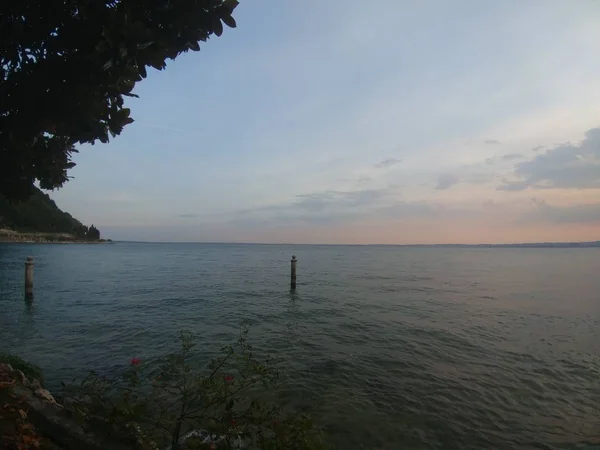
{"x":523,"y":245}
{"x":39,"y":214}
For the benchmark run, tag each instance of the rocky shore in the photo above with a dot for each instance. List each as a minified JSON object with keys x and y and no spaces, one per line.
{"x":10,"y":236}
{"x":31,"y":418}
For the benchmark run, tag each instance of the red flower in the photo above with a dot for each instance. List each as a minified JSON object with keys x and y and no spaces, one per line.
{"x":212,"y":446}
{"x":233,"y":422}
{"x":276,"y":422}
{"x":228,"y":378}
{"x":135,"y":361}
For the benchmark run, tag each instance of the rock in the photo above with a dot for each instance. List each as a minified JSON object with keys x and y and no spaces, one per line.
{"x":6,"y":368}
{"x":47,"y":396}
{"x":22,"y":378}
{"x":50,"y":418}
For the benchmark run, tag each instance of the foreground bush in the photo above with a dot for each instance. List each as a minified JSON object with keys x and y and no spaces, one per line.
{"x":169,"y":405}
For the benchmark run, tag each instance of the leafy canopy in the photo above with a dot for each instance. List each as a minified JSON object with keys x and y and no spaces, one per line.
{"x":66,"y":66}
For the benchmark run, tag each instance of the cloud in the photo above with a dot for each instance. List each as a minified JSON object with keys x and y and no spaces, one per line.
{"x":564,"y":166}
{"x":363,"y":181}
{"x":338,"y":199}
{"x":446,"y":180}
{"x":478,"y":178}
{"x":388,"y":163}
{"x":339,"y":208}
{"x":415,"y":210}
{"x":491,"y":142}
{"x":504,"y":158}
{"x":187,"y":216}
{"x":587,"y":213}
{"x":326,"y":207}
{"x":512,"y":157}
{"x":512,"y":186}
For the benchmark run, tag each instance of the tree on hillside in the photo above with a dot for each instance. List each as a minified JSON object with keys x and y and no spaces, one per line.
{"x":93,"y":234}
{"x":66,"y":66}
{"x":38,"y":213}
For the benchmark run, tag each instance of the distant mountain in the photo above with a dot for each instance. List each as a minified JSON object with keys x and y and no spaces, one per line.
{"x":527,"y":245}
{"x":546,"y":245}
{"x":523,"y":245}
{"x":39,"y":214}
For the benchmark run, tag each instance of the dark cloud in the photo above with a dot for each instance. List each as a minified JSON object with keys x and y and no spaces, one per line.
{"x":187,"y":216}
{"x":446,"y":180}
{"x":388,"y":163}
{"x":512,"y":157}
{"x":491,"y":142}
{"x":564,"y":166}
{"x":545,"y":212}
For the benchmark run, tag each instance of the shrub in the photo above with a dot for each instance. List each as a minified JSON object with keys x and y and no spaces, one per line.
{"x":171,"y":405}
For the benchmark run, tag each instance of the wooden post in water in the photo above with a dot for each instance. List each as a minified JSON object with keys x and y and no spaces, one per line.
{"x":29,"y":277}
{"x":293,"y":273}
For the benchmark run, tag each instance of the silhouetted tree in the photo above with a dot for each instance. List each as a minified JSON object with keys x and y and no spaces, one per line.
{"x":81,"y":232}
{"x":93,"y":233}
{"x":66,"y":65}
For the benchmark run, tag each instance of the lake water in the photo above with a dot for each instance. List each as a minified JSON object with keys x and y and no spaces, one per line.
{"x":390,"y":347}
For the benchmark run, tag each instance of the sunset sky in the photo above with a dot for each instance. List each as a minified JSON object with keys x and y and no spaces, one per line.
{"x":362,"y":122}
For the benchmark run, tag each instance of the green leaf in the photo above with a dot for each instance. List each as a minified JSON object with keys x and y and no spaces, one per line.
{"x":230,"y":4}
{"x":229,"y":21}
{"x":217,"y":26}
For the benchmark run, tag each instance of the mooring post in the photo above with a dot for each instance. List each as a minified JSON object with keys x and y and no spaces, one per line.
{"x":293,"y":273}
{"x":29,"y":277}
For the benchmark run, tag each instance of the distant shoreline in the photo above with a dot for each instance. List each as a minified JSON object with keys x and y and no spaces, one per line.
{"x":587,"y":244}
{"x":3,"y":241}
{"x":16,"y":237}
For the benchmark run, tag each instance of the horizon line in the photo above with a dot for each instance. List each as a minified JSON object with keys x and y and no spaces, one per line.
{"x":483,"y":244}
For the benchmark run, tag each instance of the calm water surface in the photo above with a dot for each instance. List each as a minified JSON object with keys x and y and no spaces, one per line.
{"x":391,"y":347}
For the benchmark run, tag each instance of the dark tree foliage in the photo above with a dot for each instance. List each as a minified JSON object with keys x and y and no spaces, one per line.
{"x":66,"y":65}
{"x":93,"y":233}
{"x":39,"y":213}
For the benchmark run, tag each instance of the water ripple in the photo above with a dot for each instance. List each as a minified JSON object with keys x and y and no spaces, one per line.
{"x":391,"y":348}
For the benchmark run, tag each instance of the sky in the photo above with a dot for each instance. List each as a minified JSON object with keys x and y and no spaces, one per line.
{"x":347,"y":122}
